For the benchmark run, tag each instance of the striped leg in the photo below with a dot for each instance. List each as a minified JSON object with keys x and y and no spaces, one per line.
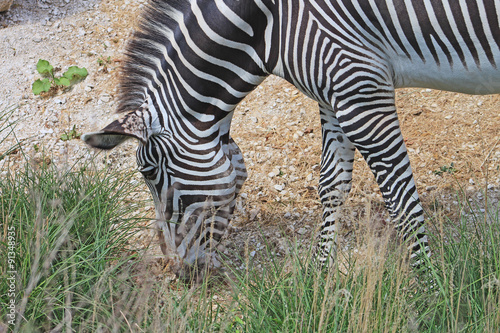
{"x":370,"y":122}
{"x":335,"y":181}
{"x":238,"y":163}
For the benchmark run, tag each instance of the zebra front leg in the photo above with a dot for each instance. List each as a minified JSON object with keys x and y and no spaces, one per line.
{"x":334,"y":184}
{"x":236,"y":157}
{"x":373,"y":127}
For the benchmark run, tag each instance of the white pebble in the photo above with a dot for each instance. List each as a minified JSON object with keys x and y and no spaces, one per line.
{"x":105,"y":98}
{"x":279,"y":188}
{"x":301,"y":231}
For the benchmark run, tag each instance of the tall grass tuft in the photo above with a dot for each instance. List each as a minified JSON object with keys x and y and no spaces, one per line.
{"x":466,"y":267}
{"x":6,"y":129}
{"x":367,"y":293}
{"x":75,"y":262}
{"x":71,"y":232}
{"x":374,"y":289}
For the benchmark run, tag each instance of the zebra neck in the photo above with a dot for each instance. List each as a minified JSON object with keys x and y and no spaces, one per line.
{"x":190,"y":58}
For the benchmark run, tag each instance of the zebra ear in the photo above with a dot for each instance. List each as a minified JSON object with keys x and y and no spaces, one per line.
{"x":129,"y":126}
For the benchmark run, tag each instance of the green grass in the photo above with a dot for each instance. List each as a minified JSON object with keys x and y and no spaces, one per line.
{"x":467,"y":268}
{"x":76,"y":269}
{"x":71,"y":230}
{"x":7,"y":129}
{"x":366,"y":294}
{"x":378,"y":292}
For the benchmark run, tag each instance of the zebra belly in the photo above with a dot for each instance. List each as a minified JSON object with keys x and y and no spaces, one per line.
{"x":474,"y":81}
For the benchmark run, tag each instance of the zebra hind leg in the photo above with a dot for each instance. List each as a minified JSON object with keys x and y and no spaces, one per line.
{"x":374,"y":129}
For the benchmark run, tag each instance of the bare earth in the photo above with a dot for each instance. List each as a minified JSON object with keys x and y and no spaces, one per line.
{"x":276,"y":127}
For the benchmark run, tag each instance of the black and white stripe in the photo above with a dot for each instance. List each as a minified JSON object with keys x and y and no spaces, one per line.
{"x":192,"y":61}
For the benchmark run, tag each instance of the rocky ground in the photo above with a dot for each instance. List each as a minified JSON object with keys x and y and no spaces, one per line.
{"x":276,"y":127}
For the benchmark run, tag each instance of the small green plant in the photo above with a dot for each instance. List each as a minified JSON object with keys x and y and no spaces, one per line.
{"x":50,"y":81}
{"x":104,"y":62}
{"x":445,"y":169}
{"x":72,"y":134}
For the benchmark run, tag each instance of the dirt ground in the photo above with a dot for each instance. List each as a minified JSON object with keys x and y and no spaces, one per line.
{"x":276,"y":127}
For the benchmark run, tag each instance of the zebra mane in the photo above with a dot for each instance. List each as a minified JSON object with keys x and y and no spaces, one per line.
{"x":142,"y":53}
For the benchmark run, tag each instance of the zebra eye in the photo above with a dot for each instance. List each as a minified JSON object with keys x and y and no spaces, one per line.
{"x":148,"y":172}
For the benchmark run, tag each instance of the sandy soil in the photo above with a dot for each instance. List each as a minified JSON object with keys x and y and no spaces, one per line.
{"x":276,"y":127}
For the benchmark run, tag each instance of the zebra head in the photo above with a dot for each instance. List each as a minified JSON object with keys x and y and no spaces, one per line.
{"x":194,"y":185}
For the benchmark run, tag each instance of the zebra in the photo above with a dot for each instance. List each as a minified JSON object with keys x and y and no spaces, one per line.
{"x":190,"y":62}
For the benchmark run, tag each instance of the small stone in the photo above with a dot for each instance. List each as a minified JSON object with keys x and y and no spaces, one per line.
{"x":88,"y":88}
{"x":301,"y":231}
{"x":309,"y":177}
{"x":279,"y":188}
{"x":253,"y":214}
{"x":431,"y":188}
{"x":105,"y":98}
